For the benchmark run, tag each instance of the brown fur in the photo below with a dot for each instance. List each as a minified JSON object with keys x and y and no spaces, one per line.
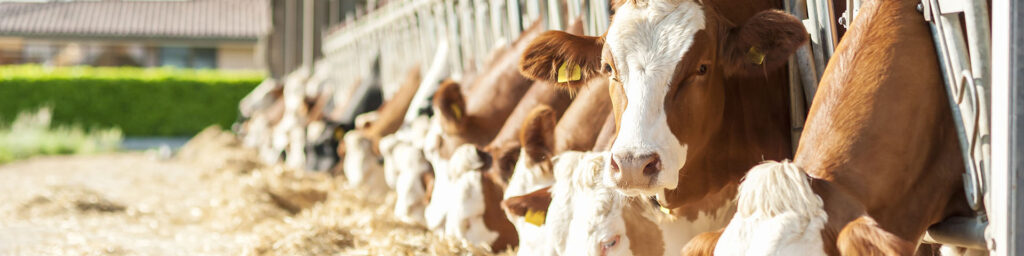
{"x":644,"y":235}
{"x":730,"y":122}
{"x":607,"y":134}
{"x":702,"y":245}
{"x":537,"y":201}
{"x":550,"y":50}
{"x":579,"y":127}
{"x":880,"y":139}
{"x":537,"y":133}
{"x":773,"y":33}
{"x":494,"y":216}
{"x":863,"y":236}
{"x":391,"y":114}
{"x":490,"y":99}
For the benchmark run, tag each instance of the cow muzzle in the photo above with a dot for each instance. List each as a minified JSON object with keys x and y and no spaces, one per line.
{"x":630,"y":171}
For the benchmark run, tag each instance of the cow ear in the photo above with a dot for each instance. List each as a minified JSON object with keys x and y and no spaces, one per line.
{"x":538,"y":132}
{"x":428,"y":185}
{"x":450,"y":105}
{"x":764,"y":43}
{"x":563,"y":59}
{"x":536,"y":201}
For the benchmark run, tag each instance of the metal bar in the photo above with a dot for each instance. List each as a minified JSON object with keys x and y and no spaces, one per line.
{"x":1007,"y":211}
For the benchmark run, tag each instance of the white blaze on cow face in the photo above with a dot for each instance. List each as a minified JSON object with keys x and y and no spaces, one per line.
{"x":645,"y":43}
{"x":387,"y":146}
{"x":362,"y":167}
{"x":528,"y":177}
{"x":409,"y":187}
{"x":435,"y":211}
{"x":464,"y":214}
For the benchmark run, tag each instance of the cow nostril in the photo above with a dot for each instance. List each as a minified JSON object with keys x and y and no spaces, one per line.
{"x":653,"y":166}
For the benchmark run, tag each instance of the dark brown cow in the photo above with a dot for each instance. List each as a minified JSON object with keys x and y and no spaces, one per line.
{"x":879,"y":150}
{"x":693,"y":94}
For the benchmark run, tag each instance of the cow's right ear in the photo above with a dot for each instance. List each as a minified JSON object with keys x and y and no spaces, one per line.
{"x":562,"y":58}
{"x":450,"y":105}
{"x":538,"y":132}
{"x":535,"y":202}
{"x":428,"y":185}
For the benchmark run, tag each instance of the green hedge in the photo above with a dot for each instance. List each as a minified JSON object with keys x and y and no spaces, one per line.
{"x":142,"y":102}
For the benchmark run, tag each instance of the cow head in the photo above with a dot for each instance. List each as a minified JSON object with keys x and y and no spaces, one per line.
{"x":470,"y":207}
{"x":667,"y":62}
{"x":451,"y":121}
{"x":362,"y":167}
{"x":585,"y":217}
{"x":411,"y":183}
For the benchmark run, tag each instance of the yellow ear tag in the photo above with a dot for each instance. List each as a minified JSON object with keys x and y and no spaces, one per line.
{"x":535,"y":217}
{"x":338,"y":133}
{"x":664,"y":210}
{"x":755,"y":56}
{"x":455,"y":109}
{"x":565,"y":75}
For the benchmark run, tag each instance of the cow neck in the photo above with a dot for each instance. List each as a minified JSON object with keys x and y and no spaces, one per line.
{"x":494,"y":217}
{"x":880,"y":136}
{"x":579,"y":127}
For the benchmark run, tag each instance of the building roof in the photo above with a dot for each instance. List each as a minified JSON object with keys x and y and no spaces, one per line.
{"x":168,"y":19}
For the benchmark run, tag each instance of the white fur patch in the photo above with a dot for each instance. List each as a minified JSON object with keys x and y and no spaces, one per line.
{"x":584,"y":213}
{"x":777,"y":214}
{"x":435,"y":211}
{"x":647,"y":43}
{"x":525,"y":179}
{"x":362,"y":167}
{"x":462,"y":203}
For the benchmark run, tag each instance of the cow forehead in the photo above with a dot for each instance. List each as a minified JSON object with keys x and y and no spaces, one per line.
{"x":652,"y":39}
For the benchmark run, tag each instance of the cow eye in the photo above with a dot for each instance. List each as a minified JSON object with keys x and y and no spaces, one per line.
{"x":703,"y":69}
{"x":607,"y":68}
{"x":610,"y":243}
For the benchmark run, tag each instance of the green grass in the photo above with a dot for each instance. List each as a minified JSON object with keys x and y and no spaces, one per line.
{"x":142,"y":102}
{"x":31,"y":134}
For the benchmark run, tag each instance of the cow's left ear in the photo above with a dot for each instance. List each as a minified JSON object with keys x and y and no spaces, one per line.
{"x":764,"y":43}
{"x":563,"y":59}
{"x":535,"y":202}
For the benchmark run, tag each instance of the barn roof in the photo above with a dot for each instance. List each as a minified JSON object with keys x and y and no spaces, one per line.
{"x":139,"y":19}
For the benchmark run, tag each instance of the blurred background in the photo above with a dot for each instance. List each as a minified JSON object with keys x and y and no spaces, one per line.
{"x":88,"y":75}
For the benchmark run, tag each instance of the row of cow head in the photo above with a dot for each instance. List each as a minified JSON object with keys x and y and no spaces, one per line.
{"x":633,"y":142}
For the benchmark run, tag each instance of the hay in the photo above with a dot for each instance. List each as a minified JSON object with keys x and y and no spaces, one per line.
{"x":214,"y":198}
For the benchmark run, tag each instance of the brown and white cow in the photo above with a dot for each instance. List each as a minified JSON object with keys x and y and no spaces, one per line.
{"x":495,"y":164}
{"x":697,"y":99}
{"x":878,"y":162}
{"x":362,"y":162}
{"x":543,"y":136}
{"x":586,"y":217}
{"x":473,"y":119}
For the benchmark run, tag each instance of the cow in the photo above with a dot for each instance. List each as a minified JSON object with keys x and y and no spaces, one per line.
{"x":541,"y":139}
{"x":405,"y":167}
{"x":362,"y":162}
{"x":586,"y":217}
{"x":697,"y":99}
{"x":879,"y":160}
{"x":474,"y":118}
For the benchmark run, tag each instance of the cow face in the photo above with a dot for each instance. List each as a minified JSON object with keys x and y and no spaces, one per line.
{"x":667,"y":62}
{"x":451,"y":122}
{"x":410,"y":186}
{"x":387,"y":146}
{"x":361,"y":167}
{"x":471,"y":202}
